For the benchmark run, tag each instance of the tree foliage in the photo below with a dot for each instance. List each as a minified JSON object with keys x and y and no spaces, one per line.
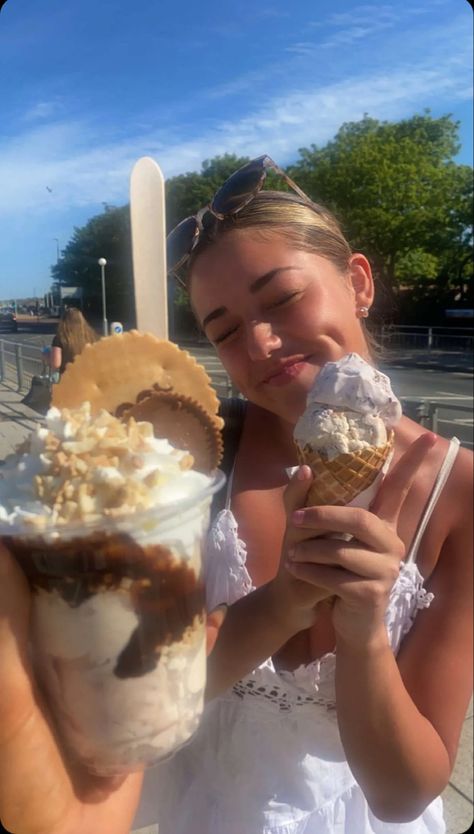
{"x":399,"y":194}
{"x":105,"y":235}
{"x":397,"y":191}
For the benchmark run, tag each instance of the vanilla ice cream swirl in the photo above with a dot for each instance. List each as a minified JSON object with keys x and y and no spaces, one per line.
{"x":349,"y":407}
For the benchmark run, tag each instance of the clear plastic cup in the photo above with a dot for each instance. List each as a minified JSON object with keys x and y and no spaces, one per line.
{"x":118,"y":630}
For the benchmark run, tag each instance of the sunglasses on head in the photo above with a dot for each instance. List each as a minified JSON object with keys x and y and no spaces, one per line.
{"x":237,"y":191}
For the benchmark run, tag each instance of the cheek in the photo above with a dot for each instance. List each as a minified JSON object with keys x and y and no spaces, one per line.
{"x":234,"y":361}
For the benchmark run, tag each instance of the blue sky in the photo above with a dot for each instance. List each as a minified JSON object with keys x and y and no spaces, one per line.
{"x":87,"y":88}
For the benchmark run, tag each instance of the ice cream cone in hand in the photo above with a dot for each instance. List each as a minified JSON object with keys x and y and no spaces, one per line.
{"x":345,"y":434}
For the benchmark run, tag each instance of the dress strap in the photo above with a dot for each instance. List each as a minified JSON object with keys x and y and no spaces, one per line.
{"x":441,"y":479}
{"x":228,"y":492}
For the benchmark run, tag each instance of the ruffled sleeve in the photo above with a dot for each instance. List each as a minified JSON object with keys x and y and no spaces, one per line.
{"x":224,"y":558}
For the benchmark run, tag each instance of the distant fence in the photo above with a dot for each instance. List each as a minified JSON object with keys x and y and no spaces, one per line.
{"x":20,"y":362}
{"x":432,"y":415}
{"x":418,"y":337}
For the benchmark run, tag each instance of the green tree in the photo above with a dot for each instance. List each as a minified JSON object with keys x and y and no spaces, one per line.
{"x":105,"y":235}
{"x":396,"y":190}
{"x":187,"y":193}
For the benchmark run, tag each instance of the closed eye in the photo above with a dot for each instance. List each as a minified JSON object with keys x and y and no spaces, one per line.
{"x":284,"y":300}
{"x":217,"y":340}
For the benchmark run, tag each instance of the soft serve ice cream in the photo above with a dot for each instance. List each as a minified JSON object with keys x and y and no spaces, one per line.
{"x":106,"y":520}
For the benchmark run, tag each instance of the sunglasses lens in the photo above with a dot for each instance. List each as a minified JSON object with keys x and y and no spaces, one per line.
{"x":179,"y":242}
{"x":233,"y":195}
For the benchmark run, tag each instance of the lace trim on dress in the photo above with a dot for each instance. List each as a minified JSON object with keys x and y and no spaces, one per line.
{"x":408,"y":596}
{"x":315,"y":683}
{"x":224,"y":562}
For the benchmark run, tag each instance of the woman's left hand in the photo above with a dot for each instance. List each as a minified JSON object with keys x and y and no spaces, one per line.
{"x":361,"y":571}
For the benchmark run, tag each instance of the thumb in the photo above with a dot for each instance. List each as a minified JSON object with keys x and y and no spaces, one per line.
{"x":295,"y":493}
{"x":215,"y":618}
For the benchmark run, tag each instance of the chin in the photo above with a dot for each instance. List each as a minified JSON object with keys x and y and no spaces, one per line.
{"x":288,"y":406}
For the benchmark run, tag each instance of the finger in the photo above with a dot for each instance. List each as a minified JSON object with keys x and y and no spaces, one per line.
{"x":214,"y":622}
{"x":367,"y":528}
{"x":297,"y":489}
{"x":396,"y":485}
{"x":331,"y":579}
{"x":14,"y":615}
{"x":349,"y":556}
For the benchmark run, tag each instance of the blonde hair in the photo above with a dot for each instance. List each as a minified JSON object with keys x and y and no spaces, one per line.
{"x":307,"y":226}
{"x":304,"y":225}
{"x":74,"y":334}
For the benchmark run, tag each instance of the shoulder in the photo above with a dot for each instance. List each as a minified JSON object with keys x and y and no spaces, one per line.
{"x":453,"y":528}
{"x":56,"y":341}
{"x":452,"y":511}
{"x":455,"y":505}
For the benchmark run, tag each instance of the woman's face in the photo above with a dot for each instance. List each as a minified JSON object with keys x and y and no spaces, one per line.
{"x":276,"y":314}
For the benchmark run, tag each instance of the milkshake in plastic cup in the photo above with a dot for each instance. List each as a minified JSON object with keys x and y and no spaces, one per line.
{"x":107,"y":522}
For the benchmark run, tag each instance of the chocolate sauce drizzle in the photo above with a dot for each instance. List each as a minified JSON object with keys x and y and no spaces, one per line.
{"x":166,"y":594}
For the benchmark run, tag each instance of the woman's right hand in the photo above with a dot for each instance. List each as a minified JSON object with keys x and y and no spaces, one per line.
{"x":39,"y":792}
{"x":294,"y":600}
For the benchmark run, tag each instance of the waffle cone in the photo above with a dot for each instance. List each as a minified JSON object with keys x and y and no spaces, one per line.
{"x":338,"y":481}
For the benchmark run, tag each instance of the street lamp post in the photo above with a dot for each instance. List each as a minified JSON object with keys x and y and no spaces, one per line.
{"x":105,"y":327}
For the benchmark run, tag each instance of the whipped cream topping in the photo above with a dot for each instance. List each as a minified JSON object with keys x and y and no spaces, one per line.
{"x":79,"y":468}
{"x":349,"y":408}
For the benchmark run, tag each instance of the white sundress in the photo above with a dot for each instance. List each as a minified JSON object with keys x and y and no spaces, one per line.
{"x":267,"y":757}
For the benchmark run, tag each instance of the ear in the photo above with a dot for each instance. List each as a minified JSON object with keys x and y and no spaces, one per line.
{"x":360,"y":276}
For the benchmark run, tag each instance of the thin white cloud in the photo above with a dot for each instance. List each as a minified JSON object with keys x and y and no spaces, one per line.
{"x":63,"y":165}
{"x":302,"y":48}
{"x":40,"y":111}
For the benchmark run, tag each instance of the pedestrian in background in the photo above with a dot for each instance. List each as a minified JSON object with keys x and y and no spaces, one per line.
{"x":72,"y":335}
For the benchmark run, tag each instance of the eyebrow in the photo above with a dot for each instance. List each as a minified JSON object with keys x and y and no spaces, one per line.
{"x":254,"y":287}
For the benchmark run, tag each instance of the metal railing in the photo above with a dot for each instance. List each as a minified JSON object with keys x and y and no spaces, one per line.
{"x":429,"y":414}
{"x":419,"y":337}
{"x":18,"y":367}
{"x":19,"y":363}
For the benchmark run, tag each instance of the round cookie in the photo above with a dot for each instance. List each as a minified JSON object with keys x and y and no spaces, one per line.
{"x":117,"y":369}
{"x":183,"y":422}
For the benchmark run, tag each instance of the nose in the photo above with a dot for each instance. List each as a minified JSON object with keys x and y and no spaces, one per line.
{"x":261,"y":340}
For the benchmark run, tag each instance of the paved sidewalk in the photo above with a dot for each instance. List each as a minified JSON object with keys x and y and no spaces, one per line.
{"x":17,"y":420}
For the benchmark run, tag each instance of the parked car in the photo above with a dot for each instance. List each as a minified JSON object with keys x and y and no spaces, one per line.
{"x":8,"y":322}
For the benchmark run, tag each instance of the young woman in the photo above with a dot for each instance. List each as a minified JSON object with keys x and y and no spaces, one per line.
{"x":322,"y":718}
{"x":72,"y":335}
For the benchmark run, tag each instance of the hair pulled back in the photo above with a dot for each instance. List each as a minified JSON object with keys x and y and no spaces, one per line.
{"x":304,"y":225}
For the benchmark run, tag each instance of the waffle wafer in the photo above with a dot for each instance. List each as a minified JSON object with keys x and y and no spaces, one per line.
{"x":184,"y":423}
{"x":117,"y":369}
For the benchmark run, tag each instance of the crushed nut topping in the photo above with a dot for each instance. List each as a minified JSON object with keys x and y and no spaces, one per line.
{"x":93,"y":471}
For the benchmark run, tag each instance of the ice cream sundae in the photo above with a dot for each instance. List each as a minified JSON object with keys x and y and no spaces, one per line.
{"x":106,"y":516}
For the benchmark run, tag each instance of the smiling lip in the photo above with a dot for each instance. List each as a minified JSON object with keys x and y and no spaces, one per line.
{"x":287,"y":372}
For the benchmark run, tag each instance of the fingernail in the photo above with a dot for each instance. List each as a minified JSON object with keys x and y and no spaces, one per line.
{"x":304,"y":473}
{"x":218,"y":608}
{"x":298,"y":517}
{"x":432,"y":437}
